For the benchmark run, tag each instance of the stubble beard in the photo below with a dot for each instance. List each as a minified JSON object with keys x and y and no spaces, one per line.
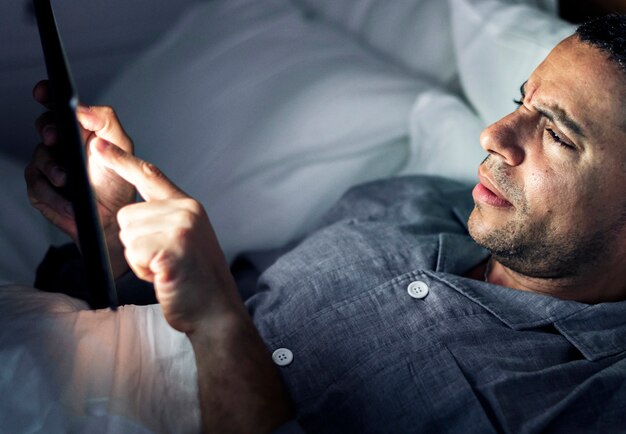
{"x":536,"y":252}
{"x":535,"y":249}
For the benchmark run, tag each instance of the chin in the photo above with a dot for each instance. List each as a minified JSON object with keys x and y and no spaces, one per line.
{"x":476,"y":227}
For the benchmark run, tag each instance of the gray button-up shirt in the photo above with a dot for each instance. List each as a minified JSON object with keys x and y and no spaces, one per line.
{"x":385,"y":335}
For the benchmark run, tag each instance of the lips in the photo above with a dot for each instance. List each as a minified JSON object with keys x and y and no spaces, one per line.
{"x":486,"y":192}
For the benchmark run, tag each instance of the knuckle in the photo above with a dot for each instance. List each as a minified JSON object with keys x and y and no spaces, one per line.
{"x":107,"y":126}
{"x":30,"y":173}
{"x":131,"y":254}
{"x":193,"y":206}
{"x":49,"y":214}
{"x":34,"y":200}
{"x":42,"y":156}
{"x":43,"y":120}
{"x":34,"y":185}
{"x":182,"y":232}
{"x":135,"y":247}
{"x":186,"y":219}
{"x":107,"y":111}
{"x":40,"y":152}
{"x":107,"y":117}
{"x":39,"y":123}
{"x":48,"y":166}
{"x":181,"y":235}
{"x":124,"y":238}
{"x":123,"y":218}
{"x":151,"y":171}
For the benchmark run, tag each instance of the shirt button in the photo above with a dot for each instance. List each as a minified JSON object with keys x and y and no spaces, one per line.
{"x":282,"y":356}
{"x":417,"y":289}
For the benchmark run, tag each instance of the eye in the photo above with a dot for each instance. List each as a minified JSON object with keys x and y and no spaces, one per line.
{"x":522,"y":90}
{"x":557,"y":139}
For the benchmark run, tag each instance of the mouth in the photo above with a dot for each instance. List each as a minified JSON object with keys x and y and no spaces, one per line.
{"x":487,"y":193}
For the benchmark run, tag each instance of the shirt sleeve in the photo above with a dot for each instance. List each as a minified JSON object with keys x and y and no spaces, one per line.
{"x":62,"y":270}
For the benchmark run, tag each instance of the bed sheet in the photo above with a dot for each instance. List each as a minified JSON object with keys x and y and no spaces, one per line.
{"x":67,"y":369}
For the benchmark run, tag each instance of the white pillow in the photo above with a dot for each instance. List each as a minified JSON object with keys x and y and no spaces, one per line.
{"x":265,"y":116}
{"x":498,"y":44}
{"x":445,"y":136}
{"x":414,"y":33}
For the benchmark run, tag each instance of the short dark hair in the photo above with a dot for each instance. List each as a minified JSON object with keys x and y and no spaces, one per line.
{"x":607,"y":33}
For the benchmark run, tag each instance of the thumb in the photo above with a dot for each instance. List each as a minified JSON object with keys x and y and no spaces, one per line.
{"x":103,"y":122}
{"x":151,"y":183}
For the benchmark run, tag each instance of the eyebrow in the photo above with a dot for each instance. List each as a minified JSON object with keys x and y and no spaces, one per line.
{"x":556,"y":115}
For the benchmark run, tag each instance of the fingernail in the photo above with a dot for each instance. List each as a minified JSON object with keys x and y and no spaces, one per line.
{"x":50,"y":134}
{"x":83,"y":108}
{"x":58,"y":176}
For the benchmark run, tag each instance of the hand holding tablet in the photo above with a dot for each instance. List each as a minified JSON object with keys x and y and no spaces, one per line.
{"x":71,"y":154}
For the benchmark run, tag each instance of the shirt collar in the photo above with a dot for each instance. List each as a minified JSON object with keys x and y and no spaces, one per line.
{"x":597,"y":331}
{"x":458,"y":253}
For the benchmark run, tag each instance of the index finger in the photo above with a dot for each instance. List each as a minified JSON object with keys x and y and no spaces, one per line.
{"x":151,"y":183}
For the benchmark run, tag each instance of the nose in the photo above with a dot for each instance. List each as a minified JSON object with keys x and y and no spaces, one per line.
{"x":505,"y":139}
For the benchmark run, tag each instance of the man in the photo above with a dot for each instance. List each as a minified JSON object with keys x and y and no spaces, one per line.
{"x":390,"y":318}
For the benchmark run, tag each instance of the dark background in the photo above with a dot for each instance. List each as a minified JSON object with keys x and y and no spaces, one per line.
{"x":100,"y":38}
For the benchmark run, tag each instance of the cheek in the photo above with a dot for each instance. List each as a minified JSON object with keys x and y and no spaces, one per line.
{"x":554,"y":197}
{"x":607,"y":198}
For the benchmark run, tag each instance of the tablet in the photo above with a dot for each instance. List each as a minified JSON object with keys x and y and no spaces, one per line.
{"x":101,"y":291}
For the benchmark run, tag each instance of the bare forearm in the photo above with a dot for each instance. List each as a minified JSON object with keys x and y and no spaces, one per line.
{"x":240,"y":390}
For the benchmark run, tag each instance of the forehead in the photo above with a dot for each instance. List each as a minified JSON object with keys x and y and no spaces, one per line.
{"x":581,"y":80}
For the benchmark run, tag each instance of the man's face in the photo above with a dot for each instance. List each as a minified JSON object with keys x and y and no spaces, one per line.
{"x":551,"y":201}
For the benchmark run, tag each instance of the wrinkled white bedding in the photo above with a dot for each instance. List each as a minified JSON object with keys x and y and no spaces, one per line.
{"x":267,"y":117}
{"x":67,"y":369}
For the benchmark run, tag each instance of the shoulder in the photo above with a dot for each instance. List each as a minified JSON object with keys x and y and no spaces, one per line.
{"x":376,"y":232}
{"x":408,"y":196}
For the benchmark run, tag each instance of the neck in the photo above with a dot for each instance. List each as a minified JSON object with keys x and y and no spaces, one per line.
{"x":605,"y":284}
